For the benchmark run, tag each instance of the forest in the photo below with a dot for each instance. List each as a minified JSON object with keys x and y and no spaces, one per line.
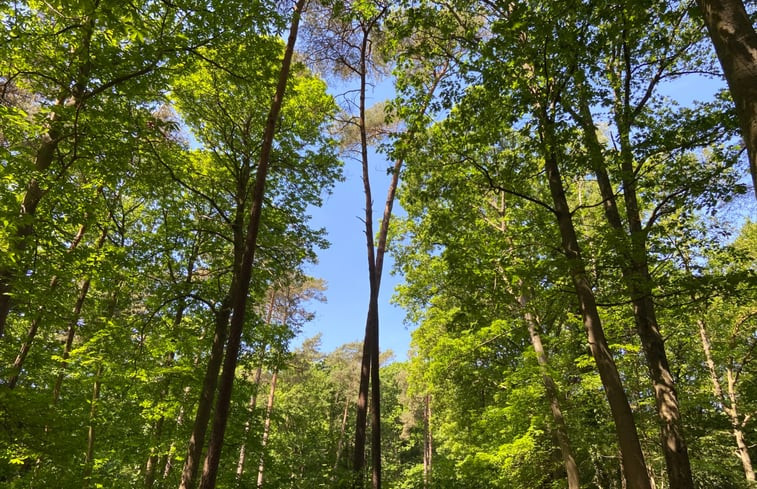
{"x":570,"y":210}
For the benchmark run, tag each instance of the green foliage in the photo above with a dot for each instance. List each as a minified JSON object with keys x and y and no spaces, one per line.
{"x":129,"y":138}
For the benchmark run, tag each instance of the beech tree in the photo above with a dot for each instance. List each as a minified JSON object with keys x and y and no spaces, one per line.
{"x":735,"y":40}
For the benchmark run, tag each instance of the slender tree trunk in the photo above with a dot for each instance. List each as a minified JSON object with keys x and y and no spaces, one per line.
{"x":735,"y":42}
{"x":251,"y":412}
{"x":738,"y":432}
{"x":340,"y":442}
{"x":70,"y":334}
{"x":266,"y":428}
{"x":43,"y":160}
{"x":152,"y":460}
{"x":625,"y":427}
{"x":89,"y":455}
{"x":375,"y":405}
{"x":34,"y":327}
{"x":168,"y":462}
{"x":239,"y":300}
{"x":254,"y":396}
{"x":427,"y":442}
{"x":639,"y":283}
{"x":371,"y":321}
{"x":561,"y":430}
{"x":729,"y":405}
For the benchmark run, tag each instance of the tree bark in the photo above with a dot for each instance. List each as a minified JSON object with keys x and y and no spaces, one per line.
{"x":248,"y":423}
{"x":427,"y":442}
{"x":200,"y":427}
{"x":561,"y":430}
{"x":44,"y":158}
{"x":340,"y":442}
{"x":625,"y":427}
{"x":239,"y":299}
{"x":89,"y":455}
{"x":266,"y":428}
{"x":735,"y":42}
{"x":152,"y":460}
{"x":729,"y":405}
{"x":632,"y":248}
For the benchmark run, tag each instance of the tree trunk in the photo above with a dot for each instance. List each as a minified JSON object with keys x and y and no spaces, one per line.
{"x":561,"y":430}
{"x":375,"y":405}
{"x":239,"y":299}
{"x":251,"y":412}
{"x":168,"y":462}
{"x":152,"y":460}
{"x":639,"y":283}
{"x":34,"y":327}
{"x":44,"y":159}
{"x":729,"y":405}
{"x":632,"y":248}
{"x":70,"y":334}
{"x":735,"y":42}
{"x":197,"y":438}
{"x":738,"y":427}
{"x":266,"y":428}
{"x":427,"y":442}
{"x":625,"y":427}
{"x":340,"y":442}
{"x":89,"y":456}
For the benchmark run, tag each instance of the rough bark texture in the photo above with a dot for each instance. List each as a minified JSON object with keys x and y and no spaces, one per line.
{"x":625,"y":427}
{"x":239,"y":300}
{"x":735,"y":42}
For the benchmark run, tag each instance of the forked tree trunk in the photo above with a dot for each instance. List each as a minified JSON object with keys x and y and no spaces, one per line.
{"x":625,"y":427}
{"x":266,"y":428}
{"x":371,"y":322}
{"x":200,"y":427}
{"x":239,"y":299}
{"x":735,"y":42}
{"x":632,"y":248}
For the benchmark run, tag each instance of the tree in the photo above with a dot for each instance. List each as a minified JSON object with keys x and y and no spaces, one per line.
{"x":735,"y":41}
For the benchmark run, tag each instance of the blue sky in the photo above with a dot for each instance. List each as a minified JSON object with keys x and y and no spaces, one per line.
{"x":344,"y":266}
